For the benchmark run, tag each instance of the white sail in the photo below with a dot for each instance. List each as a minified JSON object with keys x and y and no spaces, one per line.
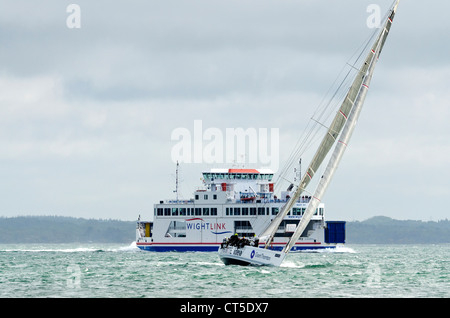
{"x":325,"y":146}
{"x":343,"y":125}
{"x":346,"y":134}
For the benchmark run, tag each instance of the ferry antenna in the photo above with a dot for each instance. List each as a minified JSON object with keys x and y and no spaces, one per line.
{"x":176,"y":181}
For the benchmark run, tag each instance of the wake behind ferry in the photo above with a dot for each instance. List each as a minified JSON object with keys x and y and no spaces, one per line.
{"x":234,"y":202}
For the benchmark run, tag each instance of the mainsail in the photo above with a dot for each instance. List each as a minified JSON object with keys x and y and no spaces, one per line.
{"x":346,"y":134}
{"x":332,"y":134}
{"x":342,"y":126}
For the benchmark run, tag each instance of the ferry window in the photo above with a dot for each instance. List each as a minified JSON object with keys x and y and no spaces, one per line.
{"x":296,"y":211}
{"x":267,"y":209}
{"x":166,"y":211}
{"x":303,"y":211}
{"x":274,"y":211}
{"x":215,"y":196}
{"x":252,"y":211}
{"x":315,"y":213}
{"x":198,"y":211}
{"x":244,"y":228}
{"x":237,"y":211}
{"x":205,"y":197}
{"x":183,"y":211}
{"x":261,"y":211}
{"x":174,"y":211}
{"x":213,"y":211}
{"x":159,"y":212}
{"x":176,"y":229}
{"x":244,"y":211}
{"x":205,"y":211}
{"x":196,"y":197}
{"x":227,"y":211}
{"x":320,"y":211}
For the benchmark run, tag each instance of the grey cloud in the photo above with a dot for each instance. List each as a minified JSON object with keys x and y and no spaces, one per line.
{"x":136,"y":70}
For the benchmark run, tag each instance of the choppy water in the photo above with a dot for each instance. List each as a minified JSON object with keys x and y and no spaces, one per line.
{"x":105,"y":270}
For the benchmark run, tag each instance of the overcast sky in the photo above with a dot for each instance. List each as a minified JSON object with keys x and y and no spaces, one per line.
{"x":86,"y":114}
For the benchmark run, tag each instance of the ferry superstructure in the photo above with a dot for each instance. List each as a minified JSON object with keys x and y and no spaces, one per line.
{"x":233,"y":201}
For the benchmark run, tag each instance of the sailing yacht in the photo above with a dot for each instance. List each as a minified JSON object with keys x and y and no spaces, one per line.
{"x":338,"y":135}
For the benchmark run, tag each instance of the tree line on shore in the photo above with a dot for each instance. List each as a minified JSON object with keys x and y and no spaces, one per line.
{"x":59,"y":229}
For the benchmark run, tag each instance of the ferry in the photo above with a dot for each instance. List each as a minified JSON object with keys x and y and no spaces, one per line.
{"x":234,"y":202}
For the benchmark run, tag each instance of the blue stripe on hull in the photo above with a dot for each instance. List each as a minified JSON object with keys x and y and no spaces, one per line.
{"x":175,"y":248}
{"x":199,"y":248}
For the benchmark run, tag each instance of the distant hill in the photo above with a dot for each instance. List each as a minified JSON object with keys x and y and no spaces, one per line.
{"x":384,"y":230}
{"x":59,"y":229}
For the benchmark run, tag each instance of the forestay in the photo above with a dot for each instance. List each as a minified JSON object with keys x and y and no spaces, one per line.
{"x":328,"y":140}
{"x":346,"y":134}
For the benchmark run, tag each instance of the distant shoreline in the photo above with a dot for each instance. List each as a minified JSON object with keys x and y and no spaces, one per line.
{"x":61,"y":229}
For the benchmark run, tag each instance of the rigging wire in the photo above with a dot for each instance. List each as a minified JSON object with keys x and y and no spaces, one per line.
{"x":323,"y":111}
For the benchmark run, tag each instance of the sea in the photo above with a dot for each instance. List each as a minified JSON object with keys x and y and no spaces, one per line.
{"x":124,"y":271}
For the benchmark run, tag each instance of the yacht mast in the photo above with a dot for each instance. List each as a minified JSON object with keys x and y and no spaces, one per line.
{"x":346,"y":134}
{"x":327,"y":142}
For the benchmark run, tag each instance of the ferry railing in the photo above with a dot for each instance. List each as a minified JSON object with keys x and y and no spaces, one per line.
{"x":259,"y":200}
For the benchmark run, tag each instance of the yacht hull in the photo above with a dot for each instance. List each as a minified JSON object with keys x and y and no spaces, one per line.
{"x":250,"y":255}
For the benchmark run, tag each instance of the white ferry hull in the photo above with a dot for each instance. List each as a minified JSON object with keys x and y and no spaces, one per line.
{"x":213,"y":247}
{"x":179,"y":247}
{"x":249,"y":255}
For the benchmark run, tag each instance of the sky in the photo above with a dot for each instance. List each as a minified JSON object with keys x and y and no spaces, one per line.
{"x":90,"y":99}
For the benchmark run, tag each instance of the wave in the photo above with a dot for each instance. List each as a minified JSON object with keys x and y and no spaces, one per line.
{"x":63,"y":250}
{"x":338,"y":249}
{"x":130,"y":248}
{"x":291,"y":264}
{"x":66,"y":248}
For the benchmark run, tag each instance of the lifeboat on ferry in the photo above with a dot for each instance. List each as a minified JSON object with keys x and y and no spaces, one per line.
{"x":247,"y":198}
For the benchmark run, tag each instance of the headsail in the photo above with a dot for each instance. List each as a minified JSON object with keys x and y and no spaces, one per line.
{"x":327,"y":142}
{"x":345,"y":136}
{"x":342,"y":126}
